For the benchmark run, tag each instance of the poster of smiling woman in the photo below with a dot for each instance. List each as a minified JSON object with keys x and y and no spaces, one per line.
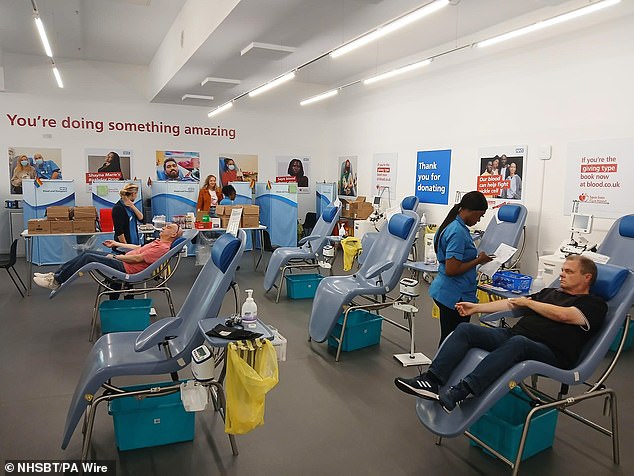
{"x":31,"y":163}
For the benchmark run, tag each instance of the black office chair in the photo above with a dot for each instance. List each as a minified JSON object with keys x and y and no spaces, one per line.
{"x":309,"y":223}
{"x":8,"y":261}
{"x":266,"y":246}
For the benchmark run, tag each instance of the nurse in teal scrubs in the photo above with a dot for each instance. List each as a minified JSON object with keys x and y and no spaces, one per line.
{"x":458,"y":258}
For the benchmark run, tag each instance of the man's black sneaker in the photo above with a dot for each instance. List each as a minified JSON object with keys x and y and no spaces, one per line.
{"x":451,"y":396}
{"x":421,"y":386}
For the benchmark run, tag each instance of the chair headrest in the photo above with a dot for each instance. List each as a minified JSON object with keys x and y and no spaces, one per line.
{"x":626,"y":227}
{"x":609,"y":280}
{"x":223,"y":251}
{"x":509,"y":213}
{"x":409,"y":203}
{"x":329,"y":213}
{"x":177,"y":242}
{"x":400,"y":225}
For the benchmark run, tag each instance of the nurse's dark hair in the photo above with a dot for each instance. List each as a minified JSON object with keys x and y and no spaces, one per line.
{"x":470,"y":201}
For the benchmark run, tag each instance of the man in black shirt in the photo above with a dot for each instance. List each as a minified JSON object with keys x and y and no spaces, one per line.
{"x":556,"y":325}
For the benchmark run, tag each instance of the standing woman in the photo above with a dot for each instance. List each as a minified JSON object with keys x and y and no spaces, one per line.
{"x":126,"y":216}
{"x":458,"y":258}
{"x":209,"y":195}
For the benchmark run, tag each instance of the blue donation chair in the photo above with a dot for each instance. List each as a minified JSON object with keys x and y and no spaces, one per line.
{"x":408,"y":203}
{"x":618,"y":244}
{"x":614,"y":284}
{"x":163,"y":348}
{"x":304,"y":256}
{"x":114,"y":282}
{"x":379,"y":274}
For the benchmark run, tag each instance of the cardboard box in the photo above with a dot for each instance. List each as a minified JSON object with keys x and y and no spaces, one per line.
{"x":39,"y":226}
{"x":361,"y":210}
{"x":347,"y":205}
{"x":58,"y":213}
{"x":85,"y":212}
{"x":61,"y":226}
{"x":250,"y":216}
{"x":83,"y":226}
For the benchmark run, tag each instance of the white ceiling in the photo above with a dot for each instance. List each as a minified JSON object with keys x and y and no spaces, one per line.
{"x":131,"y":32}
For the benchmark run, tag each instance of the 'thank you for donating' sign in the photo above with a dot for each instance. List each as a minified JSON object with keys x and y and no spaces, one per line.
{"x":596,"y":177}
{"x":432,"y":176}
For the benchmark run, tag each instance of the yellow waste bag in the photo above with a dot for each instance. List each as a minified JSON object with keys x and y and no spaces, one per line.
{"x":435,"y":311}
{"x":247,"y":386}
{"x":351,"y":249}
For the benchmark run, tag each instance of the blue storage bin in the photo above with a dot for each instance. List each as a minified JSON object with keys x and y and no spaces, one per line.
{"x":514,"y":282}
{"x":363,"y":329}
{"x":302,"y":286}
{"x":140,"y":422}
{"x":501,"y":427}
{"x":628,"y":340}
{"x":125,"y":315}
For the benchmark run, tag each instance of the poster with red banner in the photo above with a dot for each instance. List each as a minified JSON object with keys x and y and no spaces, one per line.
{"x":501,"y":174}
{"x":294,"y":168}
{"x":108,"y":164}
{"x":384,"y":175}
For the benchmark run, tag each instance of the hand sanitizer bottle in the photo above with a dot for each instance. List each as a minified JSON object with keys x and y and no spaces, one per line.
{"x":249,"y":308}
{"x":342,"y":230}
{"x":538,"y":283}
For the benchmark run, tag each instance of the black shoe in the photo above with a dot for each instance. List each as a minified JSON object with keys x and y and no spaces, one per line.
{"x":421,"y":386}
{"x":451,"y":396}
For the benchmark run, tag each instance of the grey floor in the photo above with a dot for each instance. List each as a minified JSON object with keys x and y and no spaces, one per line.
{"x":322,"y":418}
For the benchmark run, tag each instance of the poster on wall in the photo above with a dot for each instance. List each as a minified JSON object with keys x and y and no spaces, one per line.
{"x":292,"y":168}
{"x":596,"y":174}
{"x":347,"y":178}
{"x":384,"y":175}
{"x":237,"y":168}
{"x":31,"y":163}
{"x":433,"y":169}
{"x":501,"y":173}
{"x":178,"y":165}
{"x":108,"y":164}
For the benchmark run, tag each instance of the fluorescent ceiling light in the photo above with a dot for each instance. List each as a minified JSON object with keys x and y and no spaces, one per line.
{"x":209,"y":79}
{"x":319,"y":97}
{"x":58,"y":77}
{"x":40,"y":29}
{"x":197,"y":96}
{"x":220,"y":109}
{"x":550,"y":22}
{"x":272,"y":84}
{"x":390,"y":27}
{"x":396,"y":72}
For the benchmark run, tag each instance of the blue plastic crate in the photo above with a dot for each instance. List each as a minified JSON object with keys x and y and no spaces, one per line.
{"x":514,"y":282}
{"x":302,"y":286}
{"x":140,"y":422}
{"x":501,"y":427}
{"x":363,"y":329}
{"x":125,"y":315}
{"x":628,"y":340}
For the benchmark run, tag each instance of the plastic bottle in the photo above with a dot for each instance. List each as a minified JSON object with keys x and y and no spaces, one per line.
{"x":423,"y":222}
{"x":538,"y":283}
{"x":249,"y":308}
{"x":342,"y":230}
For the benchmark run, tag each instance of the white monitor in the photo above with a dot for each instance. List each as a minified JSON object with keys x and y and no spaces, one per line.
{"x":581,"y":223}
{"x":377,"y":200}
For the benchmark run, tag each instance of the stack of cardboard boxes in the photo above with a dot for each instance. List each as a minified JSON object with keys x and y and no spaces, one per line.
{"x":64,"y":220}
{"x":250,"y":215}
{"x":356,"y":208}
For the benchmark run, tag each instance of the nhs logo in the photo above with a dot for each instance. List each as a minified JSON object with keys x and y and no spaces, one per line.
{"x":519,"y":150}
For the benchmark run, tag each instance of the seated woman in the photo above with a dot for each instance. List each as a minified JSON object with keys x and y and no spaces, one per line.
{"x":230,"y":195}
{"x":23,"y":170}
{"x":134,"y":261}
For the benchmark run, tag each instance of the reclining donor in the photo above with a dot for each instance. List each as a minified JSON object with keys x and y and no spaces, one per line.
{"x":134,"y":261}
{"x":554,"y":328}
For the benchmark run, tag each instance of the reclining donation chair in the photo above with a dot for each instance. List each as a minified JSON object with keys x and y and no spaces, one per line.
{"x":304,"y":256}
{"x":379,"y":274}
{"x":164,"y":347}
{"x":152,"y":278}
{"x":616,"y":285}
{"x":618,"y":244}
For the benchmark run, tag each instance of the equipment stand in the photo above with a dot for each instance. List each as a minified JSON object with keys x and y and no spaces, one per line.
{"x":413,"y":358}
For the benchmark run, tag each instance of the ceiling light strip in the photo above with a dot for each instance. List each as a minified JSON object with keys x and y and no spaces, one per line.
{"x":42,"y":32}
{"x":58,"y":77}
{"x":272,"y":84}
{"x":398,"y":71}
{"x":319,"y":97}
{"x":547,"y":23}
{"x":220,"y":109}
{"x":390,"y":27}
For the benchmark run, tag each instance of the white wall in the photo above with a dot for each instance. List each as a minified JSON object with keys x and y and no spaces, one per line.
{"x":572,"y":87}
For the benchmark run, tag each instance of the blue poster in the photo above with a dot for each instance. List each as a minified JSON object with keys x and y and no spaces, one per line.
{"x":432,"y":176}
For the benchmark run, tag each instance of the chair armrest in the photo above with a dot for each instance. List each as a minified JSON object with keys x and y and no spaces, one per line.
{"x":377,"y":269}
{"x":156,"y":333}
{"x":308,"y":238}
{"x":502,"y":315}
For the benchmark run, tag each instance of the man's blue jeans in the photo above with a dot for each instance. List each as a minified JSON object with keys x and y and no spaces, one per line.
{"x":505,"y":350}
{"x":72,"y":266}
